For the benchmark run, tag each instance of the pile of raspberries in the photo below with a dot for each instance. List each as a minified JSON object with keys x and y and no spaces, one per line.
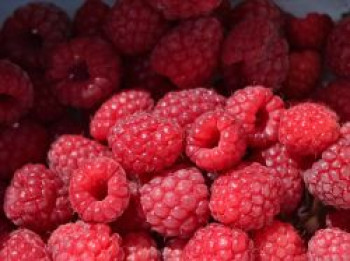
{"x":174,"y":130}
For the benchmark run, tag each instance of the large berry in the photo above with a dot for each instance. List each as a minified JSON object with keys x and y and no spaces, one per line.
{"x":172,"y":250}
{"x":140,"y":247}
{"x":189,"y":53}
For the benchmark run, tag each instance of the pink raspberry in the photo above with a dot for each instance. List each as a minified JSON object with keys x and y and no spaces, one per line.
{"x":119,"y":107}
{"x":339,"y":218}
{"x":259,"y":112}
{"x":84,"y":71}
{"x":176,"y":202}
{"x":247,"y":198}
{"x":83,"y":241}
{"x":173,"y":249}
{"x":218,"y":242}
{"x":215,"y":141}
{"x":145,"y":144}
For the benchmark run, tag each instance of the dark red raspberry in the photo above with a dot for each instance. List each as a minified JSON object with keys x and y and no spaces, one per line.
{"x":308,"y":128}
{"x":216,"y":141}
{"x":189,"y":53}
{"x":140,"y":247}
{"x":21,"y":143}
{"x":259,"y":112}
{"x":23,"y":245}
{"x":173,"y":249}
{"x":339,"y":219}
{"x":16,"y":92}
{"x":69,"y":151}
{"x":247,"y":198}
{"x":145,"y":144}
{"x":176,"y":203}
{"x":5,"y":227}
{"x":304,"y":74}
{"x":83,"y":241}
{"x":310,"y":32}
{"x":32,"y":31}
{"x":37,"y":199}
{"x":329,"y":244}
{"x":173,"y":9}
{"x":84,"y":72}
{"x":223,"y":13}
{"x":217,"y":242}
{"x":119,"y":107}
{"x":134,"y":27}
{"x":90,"y":17}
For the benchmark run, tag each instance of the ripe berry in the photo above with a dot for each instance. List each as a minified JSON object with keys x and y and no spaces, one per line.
{"x":173,"y":249}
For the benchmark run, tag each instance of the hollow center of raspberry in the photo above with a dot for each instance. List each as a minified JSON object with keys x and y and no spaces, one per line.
{"x":32,"y":40}
{"x":79,"y":72}
{"x":261,"y":119}
{"x":6,"y":101}
{"x":214,"y":139}
{"x":99,"y":191}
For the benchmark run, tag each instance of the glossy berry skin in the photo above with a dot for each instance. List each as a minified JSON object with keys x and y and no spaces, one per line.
{"x":173,"y":249}
{"x":145,"y":144}
{"x":308,"y":128}
{"x":339,"y":218}
{"x":98,"y":190}
{"x":329,"y":244}
{"x":140,"y":246}
{"x":118,"y":107}
{"x":218,"y":242}
{"x":84,"y":71}
{"x":279,"y":241}
{"x":84,"y":241}
{"x":189,"y":53}
{"x":215,"y":141}
{"x":247,"y":198}
{"x":176,"y":202}
{"x":24,"y":245}
{"x":259,"y":112}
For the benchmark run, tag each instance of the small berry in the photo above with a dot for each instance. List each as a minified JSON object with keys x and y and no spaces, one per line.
{"x":173,"y":249}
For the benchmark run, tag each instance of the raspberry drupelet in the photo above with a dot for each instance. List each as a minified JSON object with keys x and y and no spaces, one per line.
{"x":173,"y":249}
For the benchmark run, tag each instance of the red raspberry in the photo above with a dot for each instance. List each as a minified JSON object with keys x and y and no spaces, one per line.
{"x":329,"y":244}
{"x":310,"y":32}
{"x":259,"y":112}
{"x":90,"y":17}
{"x":140,"y":247}
{"x":173,"y":9}
{"x":173,"y":249}
{"x":37,"y":199}
{"x":304,"y":74}
{"x":32,"y":31}
{"x":19,"y":144}
{"x":23,"y":245}
{"x":84,"y":241}
{"x":217,"y":242}
{"x":69,"y":151}
{"x":134,"y":27}
{"x":247,"y":198}
{"x":308,"y":128}
{"x":145,"y":144}
{"x":176,"y":203}
{"x":188,"y":54}
{"x":119,"y":107}
{"x":16,"y":92}
{"x":84,"y":71}
{"x":98,"y":190}
{"x":215,"y":141}
{"x":223,"y":13}
{"x":339,"y":219}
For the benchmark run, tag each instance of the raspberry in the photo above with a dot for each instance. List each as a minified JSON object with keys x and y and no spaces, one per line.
{"x":304,"y":74}
{"x":310,"y":32}
{"x":98,"y":190}
{"x":16,"y":92}
{"x":247,"y":198}
{"x":37,"y":199}
{"x":217,"y":242}
{"x":329,"y":244}
{"x":23,"y":245}
{"x":345,"y":130}
{"x":215,"y":141}
{"x":259,"y":112}
{"x":134,"y":27}
{"x":188,"y":54}
{"x":21,"y":143}
{"x":176,"y":203}
{"x":84,"y":241}
{"x":90,"y":17}
{"x":145,"y":144}
{"x":32,"y":32}
{"x":308,"y":128}
{"x":173,"y":249}
{"x":116,"y":108}
{"x":223,"y":13}
{"x":69,"y":151}
{"x":173,"y":9}
{"x":85,"y":71}
{"x":339,"y":219}
{"x":140,"y":247}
